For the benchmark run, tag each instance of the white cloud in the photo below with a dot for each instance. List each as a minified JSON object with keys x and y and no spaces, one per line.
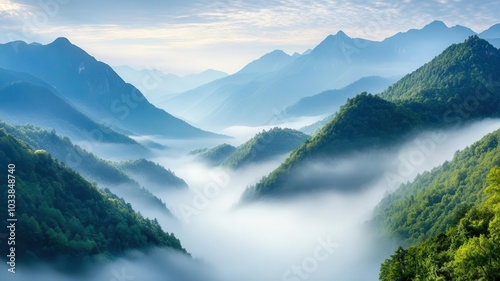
{"x":185,"y":31}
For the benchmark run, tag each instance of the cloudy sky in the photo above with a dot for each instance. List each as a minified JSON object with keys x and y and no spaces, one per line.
{"x":186,"y":36}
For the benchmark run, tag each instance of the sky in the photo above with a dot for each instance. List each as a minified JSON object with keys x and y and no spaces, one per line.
{"x":189,"y":36}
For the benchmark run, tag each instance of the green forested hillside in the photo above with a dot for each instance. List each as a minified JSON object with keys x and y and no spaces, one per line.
{"x":469,"y":69}
{"x":469,"y":250}
{"x":460,"y":85}
{"x":216,"y":155}
{"x":87,"y":164}
{"x":435,"y":199}
{"x":365,"y":121}
{"x":266,"y":145}
{"x":153,"y":172}
{"x":61,"y":214}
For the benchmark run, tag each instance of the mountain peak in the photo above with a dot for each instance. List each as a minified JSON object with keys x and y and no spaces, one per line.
{"x":341,"y":33}
{"x":62,"y":41}
{"x":277,"y":53}
{"x":456,"y":61}
{"x":435,"y":25}
{"x":332,"y":44}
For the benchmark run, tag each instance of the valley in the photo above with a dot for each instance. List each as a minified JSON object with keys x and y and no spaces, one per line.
{"x":355,"y":160}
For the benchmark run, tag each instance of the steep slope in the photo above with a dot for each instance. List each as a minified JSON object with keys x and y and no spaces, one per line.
{"x":90,"y":166}
{"x":492,"y":32}
{"x":158,"y":86}
{"x":365,"y":122}
{"x":436,"y":95}
{"x":447,"y":216}
{"x":265,"y":146}
{"x":462,"y":70}
{"x":62,"y":215}
{"x":330,"y":101}
{"x":26,"y":99}
{"x":94,"y":88}
{"x":216,"y":155}
{"x":431,"y":203}
{"x":336,"y":62}
{"x":152,"y":174}
{"x":270,"y":62}
{"x":315,"y":127}
{"x":219,"y":96}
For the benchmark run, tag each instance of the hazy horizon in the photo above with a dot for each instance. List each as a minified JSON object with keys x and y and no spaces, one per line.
{"x":189,"y":37}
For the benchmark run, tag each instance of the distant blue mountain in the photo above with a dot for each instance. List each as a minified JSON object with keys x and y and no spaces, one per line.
{"x":158,"y":86}
{"x":492,"y":32}
{"x":27,"y":99}
{"x":270,"y":62}
{"x":94,"y":88}
{"x":254,"y":98}
{"x":330,"y":101}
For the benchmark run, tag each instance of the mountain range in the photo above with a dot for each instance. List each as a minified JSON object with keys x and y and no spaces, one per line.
{"x":93,"y":168}
{"x":447,"y":219}
{"x":328,"y":102}
{"x":158,"y":86}
{"x":27,"y":99}
{"x":93,"y":88}
{"x":335,"y":63}
{"x":61,"y":215}
{"x":434,"y":96}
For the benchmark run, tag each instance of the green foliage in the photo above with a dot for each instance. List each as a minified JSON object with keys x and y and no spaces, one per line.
{"x":436,"y":200}
{"x":460,"y":71}
{"x":61,"y":214}
{"x":154,"y":173}
{"x":216,"y":155}
{"x":87,"y":164}
{"x":266,"y":145}
{"x":460,"y":85}
{"x":468,"y":251}
{"x":364,"y":122}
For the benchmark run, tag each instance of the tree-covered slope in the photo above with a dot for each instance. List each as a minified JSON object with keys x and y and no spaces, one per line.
{"x":469,"y":250}
{"x":265,"y":146}
{"x":216,"y":155}
{"x":61,"y":214}
{"x":152,"y":172}
{"x":432,"y":202}
{"x":367,"y":122}
{"x":87,"y":164}
{"x":463,"y":74}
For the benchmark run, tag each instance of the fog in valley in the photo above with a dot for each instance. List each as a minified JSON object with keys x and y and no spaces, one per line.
{"x":315,"y":236}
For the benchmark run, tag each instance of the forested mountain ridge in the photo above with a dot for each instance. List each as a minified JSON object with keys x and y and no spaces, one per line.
{"x":434,"y":200}
{"x":367,"y":122}
{"x":60,"y":214}
{"x":216,"y":155}
{"x":87,"y":164}
{"x":264,"y":146}
{"x":468,"y":250}
{"x":153,"y":172}
{"x":470,"y":68}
